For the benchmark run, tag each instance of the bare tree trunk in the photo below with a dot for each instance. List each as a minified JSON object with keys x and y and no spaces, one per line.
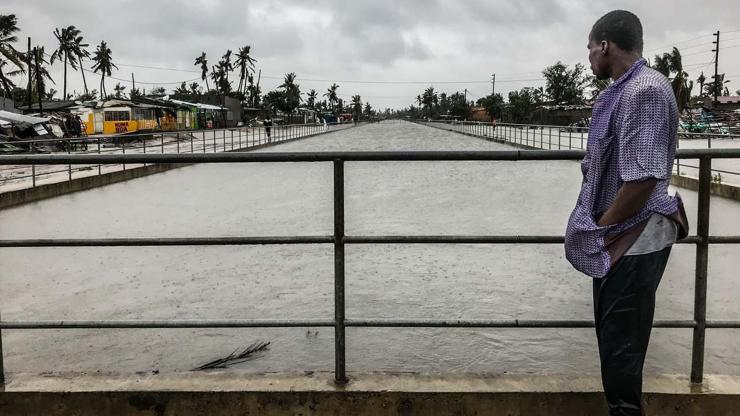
{"x":64,"y":90}
{"x":84,"y":82}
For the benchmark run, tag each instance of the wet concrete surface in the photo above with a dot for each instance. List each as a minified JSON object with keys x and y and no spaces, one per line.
{"x":296,"y":282}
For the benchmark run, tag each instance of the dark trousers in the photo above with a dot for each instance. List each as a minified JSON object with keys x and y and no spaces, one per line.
{"x":624,"y":304}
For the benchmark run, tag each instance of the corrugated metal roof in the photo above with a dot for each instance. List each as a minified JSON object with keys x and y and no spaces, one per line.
{"x":20,"y":118}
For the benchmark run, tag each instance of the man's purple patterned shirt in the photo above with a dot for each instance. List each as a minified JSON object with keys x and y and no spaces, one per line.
{"x":632,"y":138}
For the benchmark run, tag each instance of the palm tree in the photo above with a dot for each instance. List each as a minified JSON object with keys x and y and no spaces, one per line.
{"x":80,"y":49}
{"x":203,"y":62}
{"x":245,"y":63}
{"x":39,"y":74}
{"x":356,"y":106}
{"x":119,"y":89}
{"x":8,"y":54}
{"x":226,"y":64}
{"x":104,"y":64}
{"x":70,"y":49}
{"x":670,"y":63}
{"x":194,"y":88}
{"x":311,"y":98}
{"x":701,"y":80}
{"x":331,"y":95}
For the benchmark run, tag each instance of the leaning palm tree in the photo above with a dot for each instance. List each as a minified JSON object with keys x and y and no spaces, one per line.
{"x":245,"y":63}
{"x":202,"y":60}
{"x":80,"y":50}
{"x":70,"y":49}
{"x":8,"y":53}
{"x":331,"y":95}
{"x":226,"y":64}
{"x":104,"y":64}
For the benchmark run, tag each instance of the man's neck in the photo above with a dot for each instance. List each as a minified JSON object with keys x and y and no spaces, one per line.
{"x":623,"y":65}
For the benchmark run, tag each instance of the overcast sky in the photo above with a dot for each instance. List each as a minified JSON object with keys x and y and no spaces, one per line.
{"x":424,"y":41}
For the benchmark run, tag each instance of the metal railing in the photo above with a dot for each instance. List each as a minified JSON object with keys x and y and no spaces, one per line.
{"x":339,"y":240}
{"x":188,"y":141}
{"x":551,"y":137}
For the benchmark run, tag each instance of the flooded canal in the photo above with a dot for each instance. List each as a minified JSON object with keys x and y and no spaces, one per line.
{"x":296,"y":282}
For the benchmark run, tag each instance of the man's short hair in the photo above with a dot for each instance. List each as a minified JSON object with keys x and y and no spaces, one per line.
{"x":621,"y":27}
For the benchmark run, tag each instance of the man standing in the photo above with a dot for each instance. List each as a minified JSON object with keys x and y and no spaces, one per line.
{"x":624,"y":223}
{"x":268,"y":127}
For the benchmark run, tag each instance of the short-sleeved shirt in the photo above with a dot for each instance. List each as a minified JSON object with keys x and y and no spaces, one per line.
{"x":632,"y":138}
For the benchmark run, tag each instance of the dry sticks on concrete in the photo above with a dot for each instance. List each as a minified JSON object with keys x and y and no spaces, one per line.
{"x":247,"y":354}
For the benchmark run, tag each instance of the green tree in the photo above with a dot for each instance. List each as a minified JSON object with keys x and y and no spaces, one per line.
{"x":368,"y":112}
{"x":459,"y":106}
{"x":670,"y":65}
{"x":331,"y":95}
{"x":39,"y":74}
{"x":718,"y":85}
{"x":523,"y":102}
{"x":430,"y":101}
{"x":245,"y":63}
{"x":70,"y":51}
{"x":311,"y":98}
{"x":202,"y":61}
{"x":103,"y":58}
{"x":194,"y":89}
{"x":494,"y":105}
{"x":274,"y":100}
{"x":8,"y":53}
{"x":292,"y":92}
{"x":356,"y":106}
{"x":119,"y":89}
{"x":563,"y":85}
{"x":701,"y":80}
{"x":597,"y":85}
{"x":182,"y":89}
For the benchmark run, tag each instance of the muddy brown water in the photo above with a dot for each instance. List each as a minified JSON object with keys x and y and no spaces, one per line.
{"x":296,"y":282}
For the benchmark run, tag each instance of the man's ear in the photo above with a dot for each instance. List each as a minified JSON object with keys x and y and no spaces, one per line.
{"x":604,"y":47}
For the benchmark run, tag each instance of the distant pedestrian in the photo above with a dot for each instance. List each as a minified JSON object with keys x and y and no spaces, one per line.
{"x":625,"y":222}
{"x":268,"y":127}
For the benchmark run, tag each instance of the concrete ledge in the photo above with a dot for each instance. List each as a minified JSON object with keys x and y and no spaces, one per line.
{"x":719,"y":189}
{"x":27,"y":195}
{"x":231,"y":393}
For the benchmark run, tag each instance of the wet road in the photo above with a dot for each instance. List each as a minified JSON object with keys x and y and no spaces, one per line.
{"x":296,"y":282}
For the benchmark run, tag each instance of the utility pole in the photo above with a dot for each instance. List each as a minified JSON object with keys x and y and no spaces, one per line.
{"x":493,"y":85}
{"x":717,"y":84}
{"x":38,"y":81}
{"x":466,"y":95}
{"x":29,"y":74}
{"x":133,"y":81}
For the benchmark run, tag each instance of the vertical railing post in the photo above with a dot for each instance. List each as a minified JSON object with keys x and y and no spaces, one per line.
{"x":33,"y":176}
{"x":340,"y":376}
{"x":2,"y":366}
{"x":700,"y":280}
{"x":99,"y":166}
{"x":177,"y":140}
{"x":162,"y":137}
{"x":203,"y":133}
{"x":69,"y":151}
{"x":123,"y":148}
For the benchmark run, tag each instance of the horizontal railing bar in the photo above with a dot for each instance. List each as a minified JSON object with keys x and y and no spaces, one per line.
{"x":204,"y":241}
{"x":506,"y":323}
{"x":510,"y":155}
{"x":395,"y":239}
{"x":502,"y":155}
{"x":724,"y":239}
{"x":149,"y":324}
{"x":367,"y":323}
